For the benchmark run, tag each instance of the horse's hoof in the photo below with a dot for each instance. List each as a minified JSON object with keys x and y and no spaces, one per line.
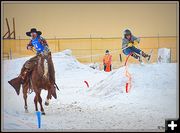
{"x":43,"y":113}
{"x":46,"y":103}
{"x":26,"y":111}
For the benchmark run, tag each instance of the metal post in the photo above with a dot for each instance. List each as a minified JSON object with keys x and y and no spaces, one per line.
{"x":54,"y":44}
{"x":158,"y":40}
{"x":120,"y":57}
{"x":91,"y":47}
{"x":170,"y":56}
{"x":59,"y":48}
{"x":19,"y":44}
{"x":10,"y":54}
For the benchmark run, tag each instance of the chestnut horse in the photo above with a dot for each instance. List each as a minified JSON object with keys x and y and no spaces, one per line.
{"x":37,"y":81}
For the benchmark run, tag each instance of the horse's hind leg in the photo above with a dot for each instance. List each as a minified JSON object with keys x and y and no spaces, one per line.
{"x":25,"y":88}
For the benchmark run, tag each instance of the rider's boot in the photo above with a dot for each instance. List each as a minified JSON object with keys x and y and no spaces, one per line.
{"x":144,"y":55}
{"x":137,"y":57}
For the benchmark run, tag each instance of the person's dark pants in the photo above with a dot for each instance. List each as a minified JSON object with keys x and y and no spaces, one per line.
{"x":105,"y":67}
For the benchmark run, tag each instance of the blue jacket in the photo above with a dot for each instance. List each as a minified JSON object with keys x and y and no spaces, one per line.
{"x":37,"y":45}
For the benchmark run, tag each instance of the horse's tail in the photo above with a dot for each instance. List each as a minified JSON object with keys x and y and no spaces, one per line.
{"x":56,"y":86}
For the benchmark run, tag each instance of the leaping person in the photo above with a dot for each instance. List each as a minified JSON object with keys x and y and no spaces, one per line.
{"x":129,"y":46}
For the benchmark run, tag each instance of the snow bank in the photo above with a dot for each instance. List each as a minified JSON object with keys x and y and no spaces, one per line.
{"x":112,"y":85}
{"x":102,"y":106}
{"x":151,"y":76}
{"x":94,"y":66}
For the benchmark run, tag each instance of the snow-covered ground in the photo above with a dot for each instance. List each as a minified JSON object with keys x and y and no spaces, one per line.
{"x":103,"y":106}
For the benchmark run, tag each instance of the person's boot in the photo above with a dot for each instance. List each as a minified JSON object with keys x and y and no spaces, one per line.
{"x":146,"y":56}
{"x":137,"y":57}
{"x":16,"y":82}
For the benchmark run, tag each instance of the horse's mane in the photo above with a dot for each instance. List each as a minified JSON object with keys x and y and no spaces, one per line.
{"x":51,"y":70}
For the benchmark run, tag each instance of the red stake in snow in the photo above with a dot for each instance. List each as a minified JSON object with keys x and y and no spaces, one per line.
{"x":128,"y":75}
{"x":126,"y":87}
{"x":86,"y":83}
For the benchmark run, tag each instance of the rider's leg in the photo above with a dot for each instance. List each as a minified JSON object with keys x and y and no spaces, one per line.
{"x":136,"y":57}
{"x":26,"y":69}
{"x":144,"y":54}
{"x":136,"y":50}
{"x":23,"y":75}
{"x":129,"y":50}
{"x":140,"y":52}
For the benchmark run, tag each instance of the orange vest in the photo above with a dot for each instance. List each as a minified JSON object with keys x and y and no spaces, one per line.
{"x":107,"y":59}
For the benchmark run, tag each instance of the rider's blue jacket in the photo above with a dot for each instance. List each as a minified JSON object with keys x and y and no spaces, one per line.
{"x":39,"y":44}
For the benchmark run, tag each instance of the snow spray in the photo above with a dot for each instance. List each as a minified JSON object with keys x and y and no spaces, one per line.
{"x":86,"y":83}
{"x":38,"y":114}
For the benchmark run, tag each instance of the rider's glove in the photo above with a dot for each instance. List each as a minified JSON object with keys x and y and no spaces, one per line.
{"x":130,"y":44}
{"x":136,"y":42}
{"x":29,"y":47}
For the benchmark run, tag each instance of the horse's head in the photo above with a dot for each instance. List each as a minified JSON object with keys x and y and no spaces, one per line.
{"x":53,"y":91}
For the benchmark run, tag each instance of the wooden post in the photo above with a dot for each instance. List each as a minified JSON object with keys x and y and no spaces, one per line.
{"x":158,"y":40}
{"x":9,"y":33}
{"x":120,"y":57}
{"x":8,"y":28}
{"x":14,"y":29}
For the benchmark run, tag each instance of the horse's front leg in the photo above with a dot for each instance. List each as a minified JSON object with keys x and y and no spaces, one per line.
{"x":35,"y":102}
{"x":25,"y":89}
{"x":40,"y":102}
{"x":47,"y":98}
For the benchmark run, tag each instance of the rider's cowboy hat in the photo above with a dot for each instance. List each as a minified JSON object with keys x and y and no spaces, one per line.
{"x":32,"y":31}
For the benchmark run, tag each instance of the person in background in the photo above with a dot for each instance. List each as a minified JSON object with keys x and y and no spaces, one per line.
{"x":129,"y":45}
{"x":107,"y":61}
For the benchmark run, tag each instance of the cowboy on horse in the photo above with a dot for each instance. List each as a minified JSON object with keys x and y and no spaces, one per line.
{"x":40,"y":45}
